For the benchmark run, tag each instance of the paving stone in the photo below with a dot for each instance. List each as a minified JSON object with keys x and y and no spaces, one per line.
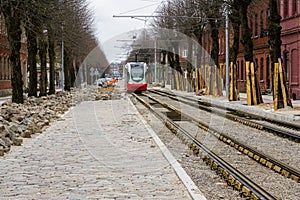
{"x":100,"y":150}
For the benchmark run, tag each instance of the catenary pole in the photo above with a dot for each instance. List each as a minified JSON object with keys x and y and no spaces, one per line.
{"x":227,"y":51}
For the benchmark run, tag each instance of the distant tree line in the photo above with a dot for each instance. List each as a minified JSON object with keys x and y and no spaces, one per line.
{"x":46,"y":24}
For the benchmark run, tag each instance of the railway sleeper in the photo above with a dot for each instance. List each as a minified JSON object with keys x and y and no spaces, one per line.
{"x":228,"y":141}
{"x":254,"y":197}
{"x":196,"y":151}
{"x":236,"y":146}
{"x":295,"y":178}
{"x":276,"y":168}
{"x":260,"y":127}
{"x":202,"y":155}
{"x":285,"y":173}
{"x":250,"y":154}
{"x":192,"y":146}
{"x":241,"y":149}
{"x":256,"y":157}
{"x":231,"y":180}
{"x":238,"y":185}
{"x":214,"y":166}
{"x":205,"y":158}
{"x":220,"y":170}
{"x":246,"y":191}
{"x":221,"y":137}
{"x":269,"y":164}
{"x":263,"y":161}
{"x":225,"y":174}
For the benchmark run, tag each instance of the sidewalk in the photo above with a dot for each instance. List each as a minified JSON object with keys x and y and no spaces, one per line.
{"x":4,"y":99}
{"x":101,"y":150}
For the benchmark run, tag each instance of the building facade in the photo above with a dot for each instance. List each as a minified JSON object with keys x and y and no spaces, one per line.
{"x":5,"y":68}
{"x":290,"y":37}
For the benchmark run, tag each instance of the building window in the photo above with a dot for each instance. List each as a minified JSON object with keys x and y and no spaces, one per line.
{"x":294,"y":75}
{"x":238,"y":70}
{"x":285,"y":8}
{"x":268,"y":75}
{"x":286,"y":64}
{"x":256,"y":25}
{"x":262,"y":30}
{"x":262,"y":69}
{"x":184,"y":53}
{"x":294,"y":7}
{"x":256,"y":64}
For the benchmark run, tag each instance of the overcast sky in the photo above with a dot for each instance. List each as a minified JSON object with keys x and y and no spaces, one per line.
{"x":109,"y":26}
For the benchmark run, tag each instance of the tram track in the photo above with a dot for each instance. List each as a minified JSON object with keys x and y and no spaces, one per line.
{"x":286,"y":171}
{"x":233,"y":176}
{"x":258,"y":156}
{"x":244,"y":118}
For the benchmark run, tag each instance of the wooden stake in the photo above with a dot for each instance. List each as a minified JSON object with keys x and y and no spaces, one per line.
{"x":231,"y":84}
{"x":176,"y":80}
{"x":276,"y":86}
{"x":235,"y":90}
{"x":282,"y":80}
{"x":248,"y":84}
{"x":254,"y":96}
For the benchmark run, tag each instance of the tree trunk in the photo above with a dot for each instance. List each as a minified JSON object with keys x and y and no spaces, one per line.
{"x":215,"y":42}
{"x":199,"y":34}
{"x":246,"y":31}
{"x":248,"y":53}
{"x":43,"y":59}
{"x":235,"y":21}
{"x":67,"y":71}
{"x":274,"y":31}
{"x":274,"y":19}
{"x":233,"y":52}
{"x":12,"y":17}
{"x":51,"y":53}
{"x":32,"y":52}
{"x":72,"y":73}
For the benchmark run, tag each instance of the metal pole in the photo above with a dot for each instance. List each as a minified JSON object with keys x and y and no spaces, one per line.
{"x":62,"y":58}
{"x":155,"y":60}
{"x":227,"y":52}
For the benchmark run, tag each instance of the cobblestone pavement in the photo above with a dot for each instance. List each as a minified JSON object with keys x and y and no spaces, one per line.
{"x":100,"y":150}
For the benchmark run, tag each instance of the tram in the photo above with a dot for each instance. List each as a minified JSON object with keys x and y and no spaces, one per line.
{"x":136,"y":76}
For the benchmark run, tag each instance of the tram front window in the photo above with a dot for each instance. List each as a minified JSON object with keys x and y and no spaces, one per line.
{"x":137,"y":72}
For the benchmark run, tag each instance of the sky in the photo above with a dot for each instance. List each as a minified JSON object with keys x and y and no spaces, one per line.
{"x":108,"y":26}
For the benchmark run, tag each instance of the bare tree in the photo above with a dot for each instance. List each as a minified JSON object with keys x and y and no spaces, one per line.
{"x":12,"y":11}
{"x":42,"y":21}
{"x":280,"y":94}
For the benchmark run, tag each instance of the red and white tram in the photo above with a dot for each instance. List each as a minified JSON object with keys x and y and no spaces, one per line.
{"x":136,"y":76}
